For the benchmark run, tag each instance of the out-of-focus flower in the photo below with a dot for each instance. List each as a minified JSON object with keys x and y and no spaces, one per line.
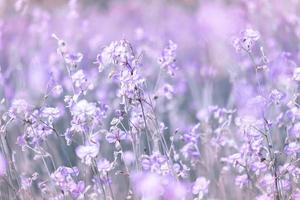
{"x":21,"y":5}
{"x":156,"y":163}
{"x":167,"y":60}
{"x":26,"y":181}
{"x":63,"y":177}
{"x":190,"y":151}
{"x":87,"y":153}
{"x":84,"y":109}
{"x":167,"y":91}
{"x":78,"y":78}
{"x":292,"y":148}
{"x":117,"y":52}
{"x":296,"y":195}
{"x":200,"y":187}
{"x":153,"y":186}
{"x":246,"y":41}
{"x":259,"y":167}
{"x":77,"y":189}
{"x":19,"y":107}
{"x":50,"y":112}
{"x":57,"y":90}
{"x":115,"y":134}
{"x":128,"y":157}
{"x":21,"y":142}
{"x":104,"y":165}
{"x":267,"y":181}
{"x":242,"y":180}
{"x":62,"y":48}
{"x":276,"y":96}
{"x":73,"y":58}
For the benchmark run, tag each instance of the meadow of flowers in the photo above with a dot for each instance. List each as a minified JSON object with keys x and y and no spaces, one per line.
{"x":150,"y":100}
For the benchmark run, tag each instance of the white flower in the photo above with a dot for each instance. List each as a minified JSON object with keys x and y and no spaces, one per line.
{"x":83,"y":107}
{"x":19,"y":106}
{"x":78,"y":78}
{"x":87,"y":153}
{"x":252,"y":34}
{"x":246,"y":41}
{"x":50,"y":112}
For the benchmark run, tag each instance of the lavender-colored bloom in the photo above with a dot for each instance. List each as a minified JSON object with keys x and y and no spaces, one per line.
{"x":296,"y":195}
{"x":104,"y":165}
{"x":73,"y":58}
{"x":190,"y":151}
{"x":295,"y":130}
{"x":63,"y":177}
{"x":68,"y":136}
{"x":200,"y":187}
{"x":246,"y":42}
{"x":21,"y":141}
{"x":115,"y":134}
{"x":128,"y":157}
{"x":83,"y":111}
{"x":167,"y":91}
{"x":26,"y":182}
{"x":117,"y":52}
{"x":179,"y":193}
{"x":103,"y":108}
{"x":87,"y":153}
{"x":292,"y":148}
{"x":264,"y":197}
{"x":57,"y":90}
{"x":50,"y":112}
{"x":148,"y":185}
{"x":83,"y":107}
{"x":77,"y":189}
{"x":242,"y":180}
{"x":102,"y":179}
{"x":253,"y":132}
{"x":19,"y":107}
{"x":62,"y":48}
{"x":155,"y":163}
{"x":78,"y":78}
{"x":267,"y":181}
{"x":276,"y":96}
{"x":168,"y":58}
{"x":258,"y":167}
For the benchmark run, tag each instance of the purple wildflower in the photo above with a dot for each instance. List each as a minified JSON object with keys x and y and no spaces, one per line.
{"x":115,"y":135}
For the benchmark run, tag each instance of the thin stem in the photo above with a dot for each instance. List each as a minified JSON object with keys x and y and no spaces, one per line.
{"x":110,"y":188}
{"x":146,"y":127}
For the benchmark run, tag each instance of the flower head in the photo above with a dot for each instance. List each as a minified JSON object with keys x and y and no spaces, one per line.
{"x":73,"y":58}
{"x":115,"y":134}
{"x":200,"y":187}
{"x":87,"y":153}
{"x":247,"y":39}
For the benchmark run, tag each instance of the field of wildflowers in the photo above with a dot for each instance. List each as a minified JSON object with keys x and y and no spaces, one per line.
{"x":150,"y":100}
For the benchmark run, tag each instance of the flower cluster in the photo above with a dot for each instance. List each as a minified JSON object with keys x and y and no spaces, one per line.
{"x":112,"y":100}
{"x":63,"y":177}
